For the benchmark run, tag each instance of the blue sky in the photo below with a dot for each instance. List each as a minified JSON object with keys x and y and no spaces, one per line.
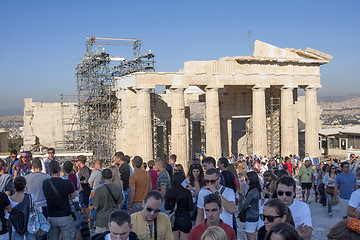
{"x":42,"y":41}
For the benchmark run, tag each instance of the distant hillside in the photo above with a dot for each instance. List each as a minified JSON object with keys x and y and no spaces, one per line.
{"x":12,"y":124}
{"x":337,"y":98}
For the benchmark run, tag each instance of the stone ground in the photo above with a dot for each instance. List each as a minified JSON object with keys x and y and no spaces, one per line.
{"x":319,"y":215}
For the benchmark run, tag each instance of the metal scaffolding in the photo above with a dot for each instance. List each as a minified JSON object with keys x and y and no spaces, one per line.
{"x":95,"y":123}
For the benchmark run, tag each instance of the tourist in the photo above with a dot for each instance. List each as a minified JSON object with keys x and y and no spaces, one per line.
{"x":196,"y":182}
{"x":251,"y":204}
{"x":229,"y":179}
{"x":124,"y":170}
{"x":213,"y":209}
{"x":274,"y":212}
{"x":57,"y":192}
{"x":179,"y":167}
{"x":163,"y":181}
{"x":6,"y":180}
{"x":306,"y":180}
{"x":150,"y":223}
{"x":285,"y":189}
{"x":322,"y":194}
{"x":4,"y":205}
{"x":172,"y":160}
{"x":34,"y":185}
{"x":116,"y":179}
{"x":354,"y":163}
{"x":119,"y":225}
{"x":107,"y":198}
{"x":345,"y":184}
{"x":345,"y":229}
{"x":153,"y":174}
{"x":85,"y":190}
{"x":227,"y":195}
{"x":10,"y":160}
{"x":179,"y":199}
{"x":232,"y":170}
{"x":20,"y":200}
{"x":329,"y":181}
{"x":269,"y":184}
{"x":289,"y":165}
{"x":282,"y":231}
{"x":51,"y":157}
{"x":140,"y":184}
{"x":354,"y":205}
{"x":23,"y":166}
{"x":208,"y":163}
{"x":357,"y":175}
{"x":214,"y":233}
{"x":95,"y":181}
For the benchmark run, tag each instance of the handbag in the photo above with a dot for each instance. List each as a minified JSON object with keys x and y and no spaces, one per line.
{"x":330,"y":190}
{"x":172,"y":216}
{"x":37,"y":224}
{"x":242,"y":216}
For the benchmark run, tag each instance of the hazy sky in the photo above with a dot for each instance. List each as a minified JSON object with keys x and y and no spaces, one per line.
{"x":42,"y":41}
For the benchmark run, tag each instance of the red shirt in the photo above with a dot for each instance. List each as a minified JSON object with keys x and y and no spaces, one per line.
{"x":198,"y":230}
{"x":290,"y":167}
{"x":153,"y":177}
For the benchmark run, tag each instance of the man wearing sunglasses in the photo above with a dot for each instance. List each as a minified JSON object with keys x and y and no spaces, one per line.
{"x":285,"y":188}
{"x":150,"y":223}
{"x":227,"y":196}
{"x":213,"y":209}
{"x":10,"y":159}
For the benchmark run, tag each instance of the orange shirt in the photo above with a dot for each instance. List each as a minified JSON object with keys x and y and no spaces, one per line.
{"x":140,"y":180}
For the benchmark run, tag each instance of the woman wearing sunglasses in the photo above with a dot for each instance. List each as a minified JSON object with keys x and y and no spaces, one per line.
{"x":274,"y":212}
{"x":329,"y":181}
{"x":251,"y":204}
{"x":196,"y":178}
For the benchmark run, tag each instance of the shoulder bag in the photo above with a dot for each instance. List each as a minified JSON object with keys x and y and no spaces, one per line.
{"x":37,"y":224}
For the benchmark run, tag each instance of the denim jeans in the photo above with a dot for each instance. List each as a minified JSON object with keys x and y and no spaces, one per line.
{"x":16,"y":236}
{"x":4,"y":236}
{"x":329,"y":202}
{"x":63,"y":225}
{"x":124,"y":205}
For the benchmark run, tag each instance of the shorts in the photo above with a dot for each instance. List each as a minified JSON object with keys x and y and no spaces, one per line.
{"x":251,"y":227}
{"x":306,"y":185}
{"x":182,"y":224}
{"x":84,"y":198}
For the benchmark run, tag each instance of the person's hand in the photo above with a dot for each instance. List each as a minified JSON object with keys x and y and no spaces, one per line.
{"x":211,"y":188}
{"x":302,"y":229}
{"x":336,"y":200}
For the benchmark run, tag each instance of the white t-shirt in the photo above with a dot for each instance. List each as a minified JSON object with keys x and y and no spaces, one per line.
{"x":228,"y":194}
{"x":355,"y":200}
{"x":301,"y":213}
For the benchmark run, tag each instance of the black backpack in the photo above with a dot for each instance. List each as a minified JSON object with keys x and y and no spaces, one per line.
{"x":19,"y":215}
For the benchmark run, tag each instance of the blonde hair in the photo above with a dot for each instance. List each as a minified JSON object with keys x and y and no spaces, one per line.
{"x":116,"y":176}
{"x":215,"y":233}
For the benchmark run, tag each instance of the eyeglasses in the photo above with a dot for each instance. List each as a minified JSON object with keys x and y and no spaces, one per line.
{"x":155,"y":210}
{"x":211,"y":197}
{"x":195,"y":165}
{"x":287,"y":193}
{"x":51,"y":152}
{"x":212,"y":181}
{"x":269,"y":218}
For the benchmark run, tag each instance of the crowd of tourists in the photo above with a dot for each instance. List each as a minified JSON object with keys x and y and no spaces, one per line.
{"x":157,"y":199}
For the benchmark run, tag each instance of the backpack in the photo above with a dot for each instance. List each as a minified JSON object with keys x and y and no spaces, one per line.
{"x":19,"y":215}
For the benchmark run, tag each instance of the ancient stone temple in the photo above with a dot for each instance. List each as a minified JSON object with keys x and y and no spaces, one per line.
{"x":248,"y":104}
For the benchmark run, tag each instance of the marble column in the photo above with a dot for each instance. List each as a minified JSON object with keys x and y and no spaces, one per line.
{"x":311,"y":122}
{"x":296,"y":125}
{"x":144,"y":130}
{"x":212,"y":123}
{"x":178,"y":126}
{"x":259,"y":121}
{"x":287,"y":121}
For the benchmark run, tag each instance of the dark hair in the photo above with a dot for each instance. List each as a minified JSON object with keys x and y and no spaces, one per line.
{"x":286,"y":230}
{"x":119,"y":154}
{"x":19,"y":183}
{"x":343,"y":164}
{"x":173,"y":156}
{"x":151,"y":164}
{"x":286,"y":180}
{"x":107,"y":174}
{"x":137,"y":161}
{"x":54,"y":167}
{"x":81,"y":158}
{"x":68,"y":167}
{"x":125,"y":158}
{"x":281,"y":209}
{"x":254,"y":181}
{"x":191,"y":176}
{"x":269,"y":173}
{"x":178,"y":178}
{"x":282,"y":172}
{"x":36,"y":163}
{"x":51,"y":149}
{"x":329,"y":169}
{"x":2,"y":164}
{"x":212,"y":171}
{"x":153,"y":194}
{"x":209,"y":160}
{"x":163,"y":163}
{"x":120,"y":217}
{"x":14,"y":151}
{"x":212,"y":198}
{"x":341,"y":231}
{"x":223,"y":161}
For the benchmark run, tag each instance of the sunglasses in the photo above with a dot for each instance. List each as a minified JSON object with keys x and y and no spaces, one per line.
{"x":23,"y":157}
{"x":246,"y":179}
{"x":287,"y":193}
{"x":269,"y":218}
{"x":51,"y":152}
{"x":155,"y":210}
{"x":212,"y":197}
{"x":195,"y":165}
{"x":211,"y":181}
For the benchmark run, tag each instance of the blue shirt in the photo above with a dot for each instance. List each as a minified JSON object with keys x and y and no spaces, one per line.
{"x":346,"y":184}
